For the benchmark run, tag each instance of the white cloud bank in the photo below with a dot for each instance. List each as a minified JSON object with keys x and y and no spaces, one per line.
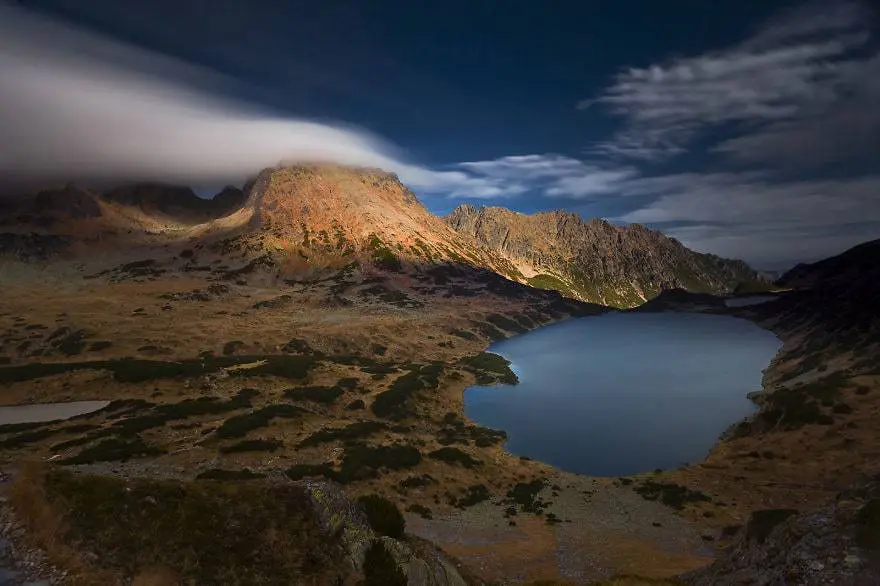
{"x":77,"y":106}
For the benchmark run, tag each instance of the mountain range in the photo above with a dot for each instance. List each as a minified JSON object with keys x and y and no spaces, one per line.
{"x":596,"y":261}
{"x":308,"y":218}
{"x":320,"y":322}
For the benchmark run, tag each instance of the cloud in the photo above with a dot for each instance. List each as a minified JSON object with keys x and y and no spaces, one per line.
{"x":750,"y":215}
{"x":802,"y":66}
{"x":526,"y":166}
{"x":77,"y":106}
{"x":845,"y":132}
{"x":548,"y":174}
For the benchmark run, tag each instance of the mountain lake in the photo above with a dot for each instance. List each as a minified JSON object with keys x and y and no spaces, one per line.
{"x":624,"y":393}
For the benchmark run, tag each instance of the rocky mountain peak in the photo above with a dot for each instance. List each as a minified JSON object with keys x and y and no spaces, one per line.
{"x":332,"y":212}
{"x":595,"y":260}
{"x":46,"y":207}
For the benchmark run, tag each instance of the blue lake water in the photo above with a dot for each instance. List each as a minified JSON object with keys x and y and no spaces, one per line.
{"x":624,"y":393}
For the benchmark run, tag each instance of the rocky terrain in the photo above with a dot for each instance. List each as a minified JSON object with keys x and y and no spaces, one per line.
{"x":836,"y":544}
{"x":597,"y":262}
{"x":317,"y":330}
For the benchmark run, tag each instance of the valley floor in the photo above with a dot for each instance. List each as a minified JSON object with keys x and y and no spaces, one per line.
{"x":361,"y":380}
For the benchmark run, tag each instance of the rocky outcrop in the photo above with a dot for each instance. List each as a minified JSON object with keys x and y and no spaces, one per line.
{"x":830,"y":309}
{"x":597,"y":261}
{"x":45,"y":208}
{"x":339,"y":516}
{"x":856,"y":264}
{"x":324,"y":214}
{"x":680,"y":300}
{"x":228,"y":200}
{"x":313,"y":217}
{"x":31,"y":246}
{"x":838,"y":544}
{"x":175,"y":202}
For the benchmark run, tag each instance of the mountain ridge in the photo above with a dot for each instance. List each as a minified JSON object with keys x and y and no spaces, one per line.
{"x":329,"y":215}
{"x":254,"y":328}
{"x":593,"y":260}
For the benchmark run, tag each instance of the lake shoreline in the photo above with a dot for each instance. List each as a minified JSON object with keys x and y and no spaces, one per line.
{"x":519,"y":354}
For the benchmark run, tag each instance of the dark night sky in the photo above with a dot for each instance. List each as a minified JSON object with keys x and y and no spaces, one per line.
{"x":748,"y":128}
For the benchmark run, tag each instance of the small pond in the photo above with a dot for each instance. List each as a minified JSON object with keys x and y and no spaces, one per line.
{"x":48,"y":411}
{"x":624,"y":393}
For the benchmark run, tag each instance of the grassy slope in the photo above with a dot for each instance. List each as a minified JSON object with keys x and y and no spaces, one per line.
{"x":166,"y":532}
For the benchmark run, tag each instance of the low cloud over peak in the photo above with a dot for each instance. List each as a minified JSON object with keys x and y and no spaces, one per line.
{"x":86,"y":108}
{"x":765,"y":149}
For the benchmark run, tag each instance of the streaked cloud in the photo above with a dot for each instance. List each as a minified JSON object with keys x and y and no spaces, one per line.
{"x":548,"y":174}
{"x":748,"y":214}
{"x":75,"y":106}
{"x":753,"y":216}
{"x":776,"y":86}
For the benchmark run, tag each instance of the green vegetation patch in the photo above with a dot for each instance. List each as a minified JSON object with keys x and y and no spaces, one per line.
{"x":473,"y":495}
{"x":416,"y":481}
{"x":351,"y":432}
{"x":489,"y":331}
{"x":251,"y":533}
{"x":257,"y":445}
{"x":316,"y":394}
{"x":383,"y":515}
{"x":393,"y":403}
{"x":28,"y":426}
{"x":464,"y":335}
{"x":240,"y":425}
{"x":794,"y":408}
{"x":455,"y":431}
{"x":363,"y":461}
{"x":421,"y":511}
{"x":356,"y":405}
{"x":232,"y":347}
{"x":383,"y":257}
{"x":671,"y":495}
{"x":761,"y":523}
{"x":300,"y":471}
{"x":221,"y":474}
{"x":391,"y":297}
{"x":551,"y":283}
{"x":525,"y":496}
{"x":490,"y":368}
{"x":38,"y":431}
{"x":380,"y":569}
{"x":360,"y":462}
{"x":115,"y":450}
{"x":162,"y":414}
{"x":505,"y":323}
{"x":27,"y":438}
{"x":348,"y":383}
{"x":68,"y":342}
{"x":868,"y":525}
{"x":455,"y":456}
{"x":136,"y":370}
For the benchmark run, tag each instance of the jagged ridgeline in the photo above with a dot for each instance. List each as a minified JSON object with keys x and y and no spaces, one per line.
{"x":336,"y":215}
{"x":596,"y":261}
{"x":292,"y":220}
